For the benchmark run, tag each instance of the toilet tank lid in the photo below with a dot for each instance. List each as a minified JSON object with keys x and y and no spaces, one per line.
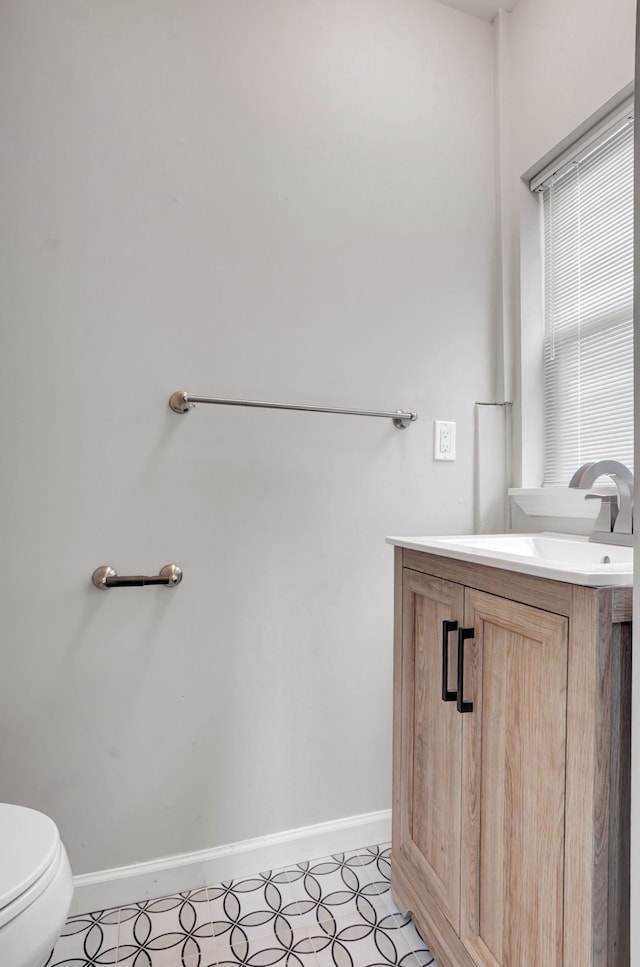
{"x":28,"y":845}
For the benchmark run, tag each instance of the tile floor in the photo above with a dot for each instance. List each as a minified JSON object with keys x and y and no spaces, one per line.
{"x":332,"y":912}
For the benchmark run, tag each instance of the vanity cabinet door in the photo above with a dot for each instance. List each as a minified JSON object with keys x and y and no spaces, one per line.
{"x":427,"y":753}
{"x":513,"y":783}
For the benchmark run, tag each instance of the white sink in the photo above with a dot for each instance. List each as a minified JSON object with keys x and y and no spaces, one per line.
{"x":563,"y":557}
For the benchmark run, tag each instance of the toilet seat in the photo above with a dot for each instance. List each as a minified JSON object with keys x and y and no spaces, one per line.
{"x":31,"y":855}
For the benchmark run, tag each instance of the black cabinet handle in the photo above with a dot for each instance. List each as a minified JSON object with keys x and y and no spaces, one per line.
{"x":447,"y":628}
{"x":463,"y":635}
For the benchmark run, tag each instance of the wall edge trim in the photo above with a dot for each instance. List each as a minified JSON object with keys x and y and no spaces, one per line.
{"x":191,"y":871}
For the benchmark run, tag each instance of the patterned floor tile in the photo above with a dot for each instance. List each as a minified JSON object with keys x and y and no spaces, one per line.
{"x":88,"y":939}
{"x":336,"y":911}
{"x":406,"y":939}
{"x":359,"y":945}
{"x":380,"y":868}
{"x":284,"y":946}
{"x":339,"y":888}
{"x":167,"y":932}
{"x":246,"y":909}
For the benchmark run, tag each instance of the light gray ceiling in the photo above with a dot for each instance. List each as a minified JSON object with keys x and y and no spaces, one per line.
{"x":486,"y":9}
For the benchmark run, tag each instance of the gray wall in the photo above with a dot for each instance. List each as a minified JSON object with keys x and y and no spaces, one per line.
{"x":285,"y":200}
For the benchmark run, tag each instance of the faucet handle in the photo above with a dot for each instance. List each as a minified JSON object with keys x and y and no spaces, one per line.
{"x":608,"y":512}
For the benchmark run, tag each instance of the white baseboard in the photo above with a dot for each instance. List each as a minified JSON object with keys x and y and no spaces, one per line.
{"x":190,"y":871}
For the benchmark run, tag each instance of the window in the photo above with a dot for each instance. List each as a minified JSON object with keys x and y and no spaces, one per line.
{"x":587,"y":211}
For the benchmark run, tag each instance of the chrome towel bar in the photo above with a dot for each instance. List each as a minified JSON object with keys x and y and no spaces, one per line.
{"x":105,"y":577}
{"x":182,"y":402}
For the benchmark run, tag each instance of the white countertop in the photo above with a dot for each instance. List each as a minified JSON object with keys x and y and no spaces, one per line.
{"x":559,"y":557}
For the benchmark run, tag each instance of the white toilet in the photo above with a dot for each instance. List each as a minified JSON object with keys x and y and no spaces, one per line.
{"x":35,"y":886}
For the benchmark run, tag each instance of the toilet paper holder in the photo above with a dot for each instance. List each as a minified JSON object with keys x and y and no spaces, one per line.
{"x":106,"y":577}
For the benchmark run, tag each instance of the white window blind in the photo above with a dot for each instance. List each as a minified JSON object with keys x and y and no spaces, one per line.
{"x":588,"y":303}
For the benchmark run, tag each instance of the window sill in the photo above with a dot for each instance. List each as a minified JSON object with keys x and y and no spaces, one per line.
{"x":557,"y":501}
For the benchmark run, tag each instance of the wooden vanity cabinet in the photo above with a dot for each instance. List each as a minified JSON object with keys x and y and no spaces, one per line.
{"x":511,"y":802}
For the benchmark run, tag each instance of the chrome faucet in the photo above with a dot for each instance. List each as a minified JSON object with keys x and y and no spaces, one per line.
{"x":614,"y":524}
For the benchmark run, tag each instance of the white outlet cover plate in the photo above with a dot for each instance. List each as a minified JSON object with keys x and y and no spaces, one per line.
{"x":444,"y":440}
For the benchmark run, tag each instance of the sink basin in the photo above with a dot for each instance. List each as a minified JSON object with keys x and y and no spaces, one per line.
{"x":563,"y":557}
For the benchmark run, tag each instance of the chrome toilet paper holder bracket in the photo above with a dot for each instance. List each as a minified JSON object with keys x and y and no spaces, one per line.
{"x":106,"y":577}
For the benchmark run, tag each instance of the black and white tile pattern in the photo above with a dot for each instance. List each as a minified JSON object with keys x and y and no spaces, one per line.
{"x":332,"y":912}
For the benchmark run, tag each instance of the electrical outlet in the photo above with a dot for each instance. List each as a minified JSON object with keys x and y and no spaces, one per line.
{"x":444,"y":440}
